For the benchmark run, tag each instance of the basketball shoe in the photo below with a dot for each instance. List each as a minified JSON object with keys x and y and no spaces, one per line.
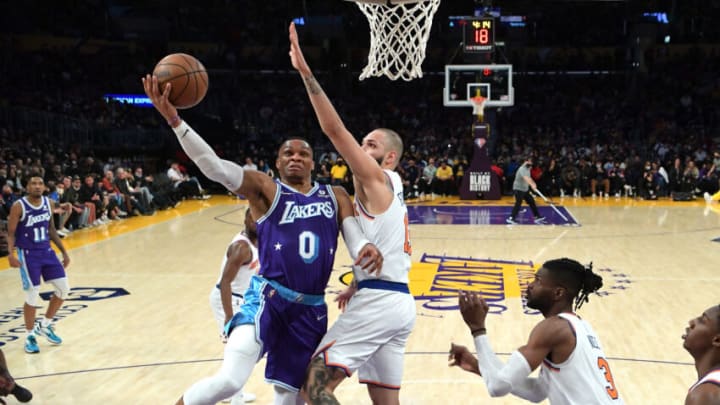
{"x":243,"y":398}
{"x":48,"y":332}
{"x":22,"y":394}
{"x":31,"y":345}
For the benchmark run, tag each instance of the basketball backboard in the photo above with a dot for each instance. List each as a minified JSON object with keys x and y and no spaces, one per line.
{"x":462,"y":82}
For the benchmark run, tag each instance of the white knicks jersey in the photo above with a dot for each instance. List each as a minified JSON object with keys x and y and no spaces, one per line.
{"x":712,"y":377}
{"x":389,"y":233}
{"x":242,"y":280}
{"x":585,"y":377}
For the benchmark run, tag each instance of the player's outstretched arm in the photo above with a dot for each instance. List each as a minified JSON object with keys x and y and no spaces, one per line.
{"x":501,"y":378}
{"x":258,"y":187}
{"x":364,"y":167}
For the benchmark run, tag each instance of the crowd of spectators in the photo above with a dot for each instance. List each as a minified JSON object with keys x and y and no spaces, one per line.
{"x":88,"y":192}
{"x":648,"y":134}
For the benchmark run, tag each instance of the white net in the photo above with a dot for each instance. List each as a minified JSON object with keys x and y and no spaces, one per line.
{"x":479,"y":105}
{"x":398,"y":37}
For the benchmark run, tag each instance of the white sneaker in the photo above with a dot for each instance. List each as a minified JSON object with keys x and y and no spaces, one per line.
{"x":707,"y":197}
{"x":241,"y":398}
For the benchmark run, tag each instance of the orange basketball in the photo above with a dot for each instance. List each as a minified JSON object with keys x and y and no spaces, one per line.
{"x":188,"y":78}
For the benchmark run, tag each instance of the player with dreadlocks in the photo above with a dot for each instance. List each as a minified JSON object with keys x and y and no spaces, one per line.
{"x":574,"y":367}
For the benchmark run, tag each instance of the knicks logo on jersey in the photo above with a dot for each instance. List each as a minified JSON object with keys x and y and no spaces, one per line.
{"x":293,"y":211}
{"x":436,"y":280}
{"x":34,"y":219}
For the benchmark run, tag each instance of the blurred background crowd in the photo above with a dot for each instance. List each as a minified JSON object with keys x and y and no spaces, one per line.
{"x":614,"y":99}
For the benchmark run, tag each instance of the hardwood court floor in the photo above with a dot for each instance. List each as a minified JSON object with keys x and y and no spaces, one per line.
{"x":658,"y":259}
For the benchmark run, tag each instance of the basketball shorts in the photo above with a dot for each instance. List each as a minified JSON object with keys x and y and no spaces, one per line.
{"x":288,"y":326}
{"x":36,"y":263}
{"x":370,"y":336}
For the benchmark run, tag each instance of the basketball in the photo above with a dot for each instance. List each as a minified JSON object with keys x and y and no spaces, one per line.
{"x":188,"y":78}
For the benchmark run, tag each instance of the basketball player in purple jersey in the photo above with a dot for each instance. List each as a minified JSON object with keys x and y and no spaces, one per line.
{"x":284,"y":314}
{"x":371,"y":334}
{"x":30,"y":229}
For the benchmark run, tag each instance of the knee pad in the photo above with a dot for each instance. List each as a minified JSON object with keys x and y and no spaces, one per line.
{"x":62,"y":287}
{"x":32,"y":294}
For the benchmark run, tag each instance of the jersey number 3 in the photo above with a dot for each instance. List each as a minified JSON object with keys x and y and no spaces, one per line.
{"x":605,"y":368}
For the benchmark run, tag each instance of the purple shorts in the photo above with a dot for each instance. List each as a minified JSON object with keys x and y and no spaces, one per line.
{"x":289,"y":331}
{"x":39,"y":262}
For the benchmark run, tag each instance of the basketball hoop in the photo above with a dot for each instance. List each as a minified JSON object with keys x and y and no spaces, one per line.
{"x":399,"y":31}
{"x":478,"y":106}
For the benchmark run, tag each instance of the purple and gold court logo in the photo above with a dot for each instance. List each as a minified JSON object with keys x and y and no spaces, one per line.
{"x":436,"y":280}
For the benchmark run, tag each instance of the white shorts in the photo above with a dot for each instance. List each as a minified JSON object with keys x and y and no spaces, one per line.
{"x":217,"y":308}
{"x":370,"y":336}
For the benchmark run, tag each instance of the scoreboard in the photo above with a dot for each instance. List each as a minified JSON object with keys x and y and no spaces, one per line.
{"x":479,"y":35}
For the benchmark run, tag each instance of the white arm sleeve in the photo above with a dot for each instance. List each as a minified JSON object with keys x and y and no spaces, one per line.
{"x":502,"y":379}
{"x":353,"y":236}
{"x":225,"y":172}
{"x":530,"y":389}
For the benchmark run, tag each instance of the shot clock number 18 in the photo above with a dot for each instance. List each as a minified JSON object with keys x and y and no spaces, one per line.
{"x":479,"y":35}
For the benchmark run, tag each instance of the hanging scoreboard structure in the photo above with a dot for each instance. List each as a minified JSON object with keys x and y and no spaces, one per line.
{"x":479,"y":35}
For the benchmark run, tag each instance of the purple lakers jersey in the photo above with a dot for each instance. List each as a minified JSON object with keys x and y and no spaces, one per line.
{"x":32,"y":230}
{"x":297,"y":238}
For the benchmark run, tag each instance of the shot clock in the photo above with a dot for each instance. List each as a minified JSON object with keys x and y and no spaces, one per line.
{"x":479,"y":35}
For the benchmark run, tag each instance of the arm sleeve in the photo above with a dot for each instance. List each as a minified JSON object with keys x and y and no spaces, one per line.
{"x":502,"y":379}
{"x":225,"y":172}
{"x":530,"y":389}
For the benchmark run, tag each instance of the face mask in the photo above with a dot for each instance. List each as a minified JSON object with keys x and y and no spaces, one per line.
{"x":647,"y":167}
